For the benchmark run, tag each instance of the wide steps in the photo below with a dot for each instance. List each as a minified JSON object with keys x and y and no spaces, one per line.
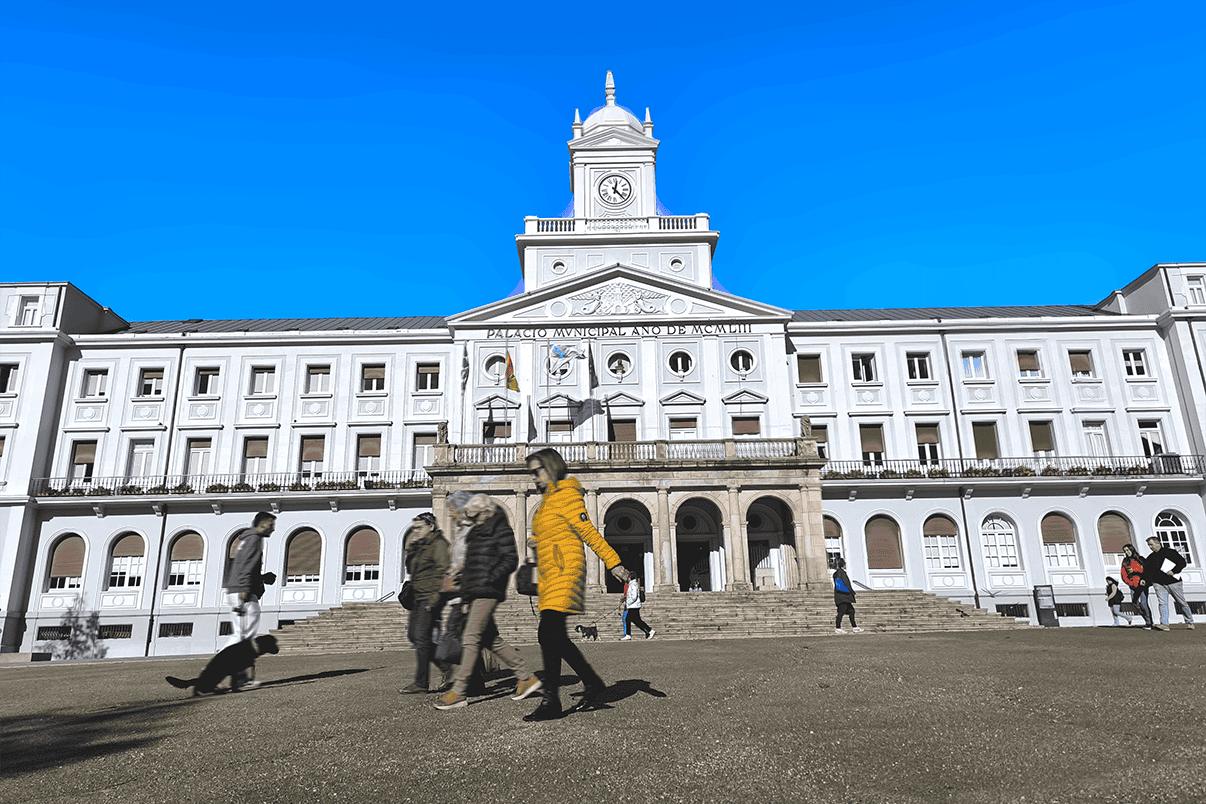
{"x":704,"y":615}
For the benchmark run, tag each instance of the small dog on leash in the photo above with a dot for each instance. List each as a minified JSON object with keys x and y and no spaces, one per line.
{"x":588,"y":631}
{"x":232,"y":662}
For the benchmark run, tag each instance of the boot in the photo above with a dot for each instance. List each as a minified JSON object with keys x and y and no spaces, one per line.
{"x":549,"y":709}
{"x":590,"y":698}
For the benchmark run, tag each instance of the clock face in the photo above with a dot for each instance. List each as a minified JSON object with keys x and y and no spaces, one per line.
{"x":615,"y":190}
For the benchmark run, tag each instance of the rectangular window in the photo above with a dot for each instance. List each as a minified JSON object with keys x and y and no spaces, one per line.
{"x":560,"y":432}
{"x":368,"y":454}
{"x":863,"y":367}
{"x":984,"y":436}
{"x":1096,"y":442}
{"x":1151,"y":437}
{"x":313,"y":453}
{"x":1134,"y":363}
{"x":496,"y":431}
{"x":871,"y":437}
{"x":622,"y":430}
{"x":820,"y":432}
{"x":683,"y":428}
{"x":200,"y":450}
{"x":809,"y":368}
{"x":1081,"y":363}
{"x":142,"y":456}
{"x":941,"y":552}
{"x":372,"y":378}
{"x":919,"y":365}
{"x":28,"y":314}
{"x":126,"y":571}
{"x":255,"y":456}
{"x":928,"y":451}
{"x":747,"y":426}
{"x":974,"y":366}
{"x":1028,"y":364}
{"x":1197,"y":289}
{"x":95,"y":381}
{"x":206,"y":383}
{"x":83,"y":460}
{"x":150,"y":382}
{"x":318,"y":379}
{"x":427,"y":377}
{"x":1042,"y":440}
{"x":1060,"y":554}
{"x":424,"y":450}
{"x":8,"y":378}
{"x":1000,"y":549}
{"x":263,"y":380}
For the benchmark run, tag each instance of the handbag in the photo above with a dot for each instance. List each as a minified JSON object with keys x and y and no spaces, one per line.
{"x":525,"y":579}
{"x":406,"y":596}
{"x":448,"y":649}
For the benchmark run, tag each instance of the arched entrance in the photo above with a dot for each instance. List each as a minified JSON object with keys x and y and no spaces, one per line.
{"x":628,"y":528}
{"x":698,"y":542}
{"x":771,"y":534}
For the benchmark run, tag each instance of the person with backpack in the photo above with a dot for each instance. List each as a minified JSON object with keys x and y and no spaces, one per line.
{"x":634,"y":598}
{"x":427,"y":562}
{"x":843,"y":598}
{"x":1132,"y":576}
{"x":1114,"y":598}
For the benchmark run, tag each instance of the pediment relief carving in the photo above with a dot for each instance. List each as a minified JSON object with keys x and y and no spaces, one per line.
{"x":618,"y":298}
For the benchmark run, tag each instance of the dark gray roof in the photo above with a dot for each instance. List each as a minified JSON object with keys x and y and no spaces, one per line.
{"x":289,"y":325}
{"x":947,"y":313}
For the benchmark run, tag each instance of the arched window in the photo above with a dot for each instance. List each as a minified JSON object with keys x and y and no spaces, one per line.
{"x":1171,"y":532}
{"x":303,"y":557}
{"x":185,"y":560}
{"x":67,"y":563}
{"x":883,"y":544}
{"x":1000,"y":542}
{"x":127,"y":562}
{"x":1113,"y":531}
{"x":1059,"y":541}
{"x":833,"y":541}
{"x":362,"y":556}
{"x":941,"y":539}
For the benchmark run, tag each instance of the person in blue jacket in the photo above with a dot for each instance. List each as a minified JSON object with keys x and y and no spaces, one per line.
{"x":843,"y":597}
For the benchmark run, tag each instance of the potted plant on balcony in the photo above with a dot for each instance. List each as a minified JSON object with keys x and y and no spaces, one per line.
{"x":297,"y":485}
{"x":270,"y":487}
{"x":938,"y":472}
{"x":1103,"y":470}
{"x":1077,"y":471}
{"x":1023,"y":471}
{"x":99,"y":491}
{"x":160,"y":489}
{"x":242,"y":488}
{"x":913,"y":473}
{"x":217,"y":488}
{"x":130,"y":489}
{"x":182,"y":488}
{"x":833,"y":474}
{"x":889,"y":474}
{"x":1051,"y":471}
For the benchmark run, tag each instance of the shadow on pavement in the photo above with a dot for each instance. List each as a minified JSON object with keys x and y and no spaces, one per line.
{"x":312,"y":677}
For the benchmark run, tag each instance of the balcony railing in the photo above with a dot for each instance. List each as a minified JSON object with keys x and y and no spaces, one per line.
{"x":653,"y":223}
{"x":1054,"y":468}
{"x":270,"y":483}
{"x":628,"y":451}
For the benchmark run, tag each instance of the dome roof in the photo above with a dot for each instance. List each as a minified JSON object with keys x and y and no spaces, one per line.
{"x":611,"y":114}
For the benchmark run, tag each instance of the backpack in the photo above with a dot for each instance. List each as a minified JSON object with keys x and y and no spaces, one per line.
{"x":642,"y":592}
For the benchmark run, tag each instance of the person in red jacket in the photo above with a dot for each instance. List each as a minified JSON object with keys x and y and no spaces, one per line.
{"x":1132,"y":576}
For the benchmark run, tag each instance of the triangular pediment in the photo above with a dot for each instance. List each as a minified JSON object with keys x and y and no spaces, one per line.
{"x":613,"y":137}
{"x":618,"y":295}
{"x":496,"y":401}
{"x":559,"y":401}
{"x":745,"y":397}
{"x":623,"y":399}
{"x":683,"y":398}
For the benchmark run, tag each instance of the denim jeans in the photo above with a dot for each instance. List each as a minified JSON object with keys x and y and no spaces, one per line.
{"x":1116,"y":610}
{"x":1178,"y":592}
{"x":418,"y":630}
{"x":481,"y":632}
{"x":1139,"y":599}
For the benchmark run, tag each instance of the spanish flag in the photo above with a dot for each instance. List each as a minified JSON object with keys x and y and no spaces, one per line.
{"x":512,"y":383}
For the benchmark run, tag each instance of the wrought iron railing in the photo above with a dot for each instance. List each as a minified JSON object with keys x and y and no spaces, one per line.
{"x":268,"y":483}
{"x":637,"y":451}
{"x":1055,"y":467}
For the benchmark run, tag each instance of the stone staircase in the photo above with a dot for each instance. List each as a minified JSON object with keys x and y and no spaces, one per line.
{"x":704,"y":615}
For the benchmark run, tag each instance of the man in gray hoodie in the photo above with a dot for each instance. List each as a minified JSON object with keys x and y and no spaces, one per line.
{"x":245,"y":583}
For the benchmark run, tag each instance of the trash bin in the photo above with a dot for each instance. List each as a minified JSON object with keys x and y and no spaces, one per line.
{"x":1167,"y":463}
{"x":1044,"y":606}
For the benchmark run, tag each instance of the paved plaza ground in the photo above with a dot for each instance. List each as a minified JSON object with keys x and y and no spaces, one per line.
{"x":1039,"y":715}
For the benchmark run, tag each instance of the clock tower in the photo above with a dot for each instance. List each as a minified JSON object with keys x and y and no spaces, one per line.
{"x":612,"y":159}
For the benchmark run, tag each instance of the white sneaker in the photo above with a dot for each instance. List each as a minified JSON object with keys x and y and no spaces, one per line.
{"x":626,"y":637}
{"x":838,"y":631}
{"x":858,"y":630}
{"x":652,"y":632}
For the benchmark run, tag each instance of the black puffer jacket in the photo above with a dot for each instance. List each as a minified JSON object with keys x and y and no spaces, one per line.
{"x":490,"y":558}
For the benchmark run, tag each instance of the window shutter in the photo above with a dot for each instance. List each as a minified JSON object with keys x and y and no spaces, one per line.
{"x":883,"y":544}
{"x":872,"y":436}
{"x":820,"y":433}
{"x":305,"y":552}
{"x":424,"y":439}
{"x":746,"y":425}
{"x":1114,"y":531}
{"x":85,"y":452}
{"x":809,"y":367}
{"x":940,"y":526}
{"x":369,"y":446}
{"x":1040,"y":436}
{"x":832,"y":529}
{"x":255,"y":448}
{"x":623,"y":430}
{"x":128,"y":545}
{"x":1081,"y":362}
{"x":374,"y":372}
{"x":561,"y":427}
{"x":312,"y":449}
{"x":188,"y":547}
{"x":682,"y":424}
{"x":927,"y":434}
{"x":1057,"y":529}
{"x":985,"y":436}
{"x":364,"y":547}
{"x":68,"y":561}
{"x":1028,"y":361}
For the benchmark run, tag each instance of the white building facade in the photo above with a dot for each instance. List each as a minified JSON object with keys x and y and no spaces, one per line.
{"x":970,"y":452}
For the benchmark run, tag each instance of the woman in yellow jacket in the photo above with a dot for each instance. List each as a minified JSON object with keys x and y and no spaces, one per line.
{"x":560,"y":527}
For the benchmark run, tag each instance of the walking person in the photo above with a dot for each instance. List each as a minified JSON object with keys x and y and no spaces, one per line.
{"x":632,"y":610}
{"x":1132,"y":576}
{"x":559,"y":528}
{"x":1114,"y":598}
{"x":244,"y":585}
{"x":843,"y":598}
{"x":490,"y":558}
{"x":427,"y":564}
{"x":1160,"y":569}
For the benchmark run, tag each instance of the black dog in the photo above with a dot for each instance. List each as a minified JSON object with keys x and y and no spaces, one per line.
{"x":233,"y":661}
{"x":588,"y":631}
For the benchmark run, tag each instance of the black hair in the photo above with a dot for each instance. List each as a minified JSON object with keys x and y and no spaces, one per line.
{"x":262,"y":516}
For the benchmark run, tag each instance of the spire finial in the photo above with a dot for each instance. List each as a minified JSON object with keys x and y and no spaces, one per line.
{"x":577,"y":119}
{"x":610,"y":89}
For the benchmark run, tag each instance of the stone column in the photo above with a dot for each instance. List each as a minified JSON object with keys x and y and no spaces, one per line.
{"x":663,"y":554}
{"x":521,"y":524}
{"x":594,"y":567}
{"x":439,"y":509}
{"x":810,"y":548}
{"x":739,"y":580}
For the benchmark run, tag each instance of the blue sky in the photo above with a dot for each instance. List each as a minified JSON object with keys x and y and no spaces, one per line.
{"x":272,"y":159}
